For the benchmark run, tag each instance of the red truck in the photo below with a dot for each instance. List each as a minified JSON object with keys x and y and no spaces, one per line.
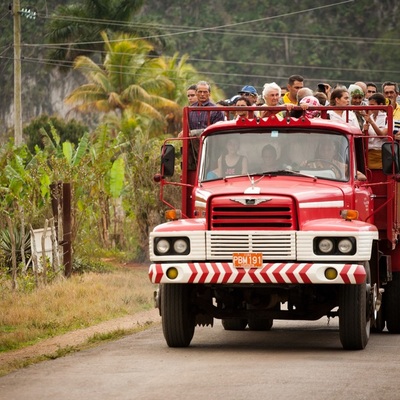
{"x":314,"y":235}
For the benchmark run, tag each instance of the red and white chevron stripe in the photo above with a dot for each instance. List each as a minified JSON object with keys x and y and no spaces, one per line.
{"x":225,"y":273}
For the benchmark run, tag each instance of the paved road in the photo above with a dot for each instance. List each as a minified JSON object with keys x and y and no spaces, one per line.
{"x":294,"y":361}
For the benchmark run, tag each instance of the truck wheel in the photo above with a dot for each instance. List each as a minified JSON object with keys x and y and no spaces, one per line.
{"x":234,"y":324}
{"x":379,"y":321}
{"x":178,"y":320}
{"x":392,"y":299}
{"x":260,"y":324}
{"x":354,"y":325}
{"x":380,"y":316}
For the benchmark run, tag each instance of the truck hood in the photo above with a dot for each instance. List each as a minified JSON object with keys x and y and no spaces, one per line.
{"x":298,"y":199}
{"x":303,"y":190}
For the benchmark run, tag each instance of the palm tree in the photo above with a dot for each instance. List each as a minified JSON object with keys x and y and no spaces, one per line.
{"x":129,"y":83}
{"x":75,"y":28}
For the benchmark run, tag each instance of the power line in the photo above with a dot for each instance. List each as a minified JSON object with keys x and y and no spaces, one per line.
{"x":254,"y":64}
{"x":249,"y":77}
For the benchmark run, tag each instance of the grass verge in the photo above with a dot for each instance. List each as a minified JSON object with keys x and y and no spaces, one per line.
{"x":68,"y":305}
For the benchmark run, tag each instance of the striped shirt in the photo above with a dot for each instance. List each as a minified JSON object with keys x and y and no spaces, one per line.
{"x":201,"y":119}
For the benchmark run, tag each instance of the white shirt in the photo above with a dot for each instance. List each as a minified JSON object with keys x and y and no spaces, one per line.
{"x":352,"y":119}
{"x":376,"y":142}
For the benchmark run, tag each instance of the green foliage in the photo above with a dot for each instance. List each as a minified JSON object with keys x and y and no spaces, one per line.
{"x":84,"y":265}
{"x":261,"y":41}
{"x":117,"y":175}
{"x":71,"y":26}
{"x":20,"y":242}
{"x":43,"y":128}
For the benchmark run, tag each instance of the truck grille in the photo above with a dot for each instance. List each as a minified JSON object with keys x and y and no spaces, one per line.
{"x":229,"y":213}
{"x":273,"y":245}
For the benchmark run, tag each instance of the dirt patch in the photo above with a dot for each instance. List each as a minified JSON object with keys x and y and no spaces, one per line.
{"x":78,"y":338}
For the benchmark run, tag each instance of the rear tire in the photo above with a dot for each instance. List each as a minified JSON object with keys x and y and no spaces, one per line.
{"x":234,"y":324}
{"x":178,"y":319}
{"x":260,"y":324}
{"x":392,"y":299}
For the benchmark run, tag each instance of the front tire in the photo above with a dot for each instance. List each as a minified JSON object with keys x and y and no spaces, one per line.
{"x":355,"y":313}
{"x":178,"y":319}
{"x":354,"y":326}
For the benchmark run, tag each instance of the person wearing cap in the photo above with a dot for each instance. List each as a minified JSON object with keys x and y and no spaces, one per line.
{"x":251,"y":94}
{"x":295,"y":83}
{"x":357,"y":99}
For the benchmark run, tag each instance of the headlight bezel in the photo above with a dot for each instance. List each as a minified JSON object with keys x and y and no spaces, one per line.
{"x":337,"y":241}
{"x":172,"y":241}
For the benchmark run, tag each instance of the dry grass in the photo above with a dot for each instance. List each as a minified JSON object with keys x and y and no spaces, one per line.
{"x":81,"y":301}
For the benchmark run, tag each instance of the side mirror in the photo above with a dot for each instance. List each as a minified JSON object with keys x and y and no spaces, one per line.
{"x":167,"y":160}
{"x":390,"y":158}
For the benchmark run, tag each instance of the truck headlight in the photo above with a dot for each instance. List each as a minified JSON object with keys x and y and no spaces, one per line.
{"x":345,"y":246}
{"x":180,"y":246}
{"x":325,"y":245}
{"x":171,"y":246}
{"x":162,"y":246}
{"x":336,"y":246}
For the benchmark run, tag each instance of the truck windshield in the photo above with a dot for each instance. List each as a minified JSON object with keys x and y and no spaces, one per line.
{"x":321,"y":155}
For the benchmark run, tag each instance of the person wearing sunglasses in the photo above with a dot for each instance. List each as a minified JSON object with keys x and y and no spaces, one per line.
{"x":250,"y":93}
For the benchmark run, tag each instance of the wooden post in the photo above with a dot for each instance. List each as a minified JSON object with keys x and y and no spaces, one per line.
{"x":66,"y":214}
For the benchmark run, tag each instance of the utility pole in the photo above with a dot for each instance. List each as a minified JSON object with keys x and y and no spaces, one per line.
{"x":17,"y":74}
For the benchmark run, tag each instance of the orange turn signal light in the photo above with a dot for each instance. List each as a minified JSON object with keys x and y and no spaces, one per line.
{"x":349,"y":215}
{"x":173,"y":215}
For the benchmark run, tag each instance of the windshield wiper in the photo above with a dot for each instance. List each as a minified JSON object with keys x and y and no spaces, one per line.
{"x":290,"y":171}
{"x":286,"y":171}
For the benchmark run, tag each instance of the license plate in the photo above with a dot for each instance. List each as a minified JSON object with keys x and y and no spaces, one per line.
{"x":247,"y":260}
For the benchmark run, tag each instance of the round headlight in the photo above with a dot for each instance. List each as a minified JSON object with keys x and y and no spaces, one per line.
{"x":345,"y":246}
{"x":180,"y":246}
{"x":162,"y":246}
{"x":325,"y":246}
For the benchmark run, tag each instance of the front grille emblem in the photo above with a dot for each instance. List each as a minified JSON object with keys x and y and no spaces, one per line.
{"x":251,"y":202}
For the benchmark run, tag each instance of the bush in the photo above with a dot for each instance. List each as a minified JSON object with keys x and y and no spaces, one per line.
{"x":70,"y":131}
{"x":5,"y":245}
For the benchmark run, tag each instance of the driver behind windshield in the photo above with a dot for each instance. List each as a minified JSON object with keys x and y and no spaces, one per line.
{"x":270,"y":160}
{"x":326,"y":157}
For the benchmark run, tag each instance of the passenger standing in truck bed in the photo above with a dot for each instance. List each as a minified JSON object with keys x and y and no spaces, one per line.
{"x":375,"y":126}
{"x":340,"y":97}
{"x":201,"y":119}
